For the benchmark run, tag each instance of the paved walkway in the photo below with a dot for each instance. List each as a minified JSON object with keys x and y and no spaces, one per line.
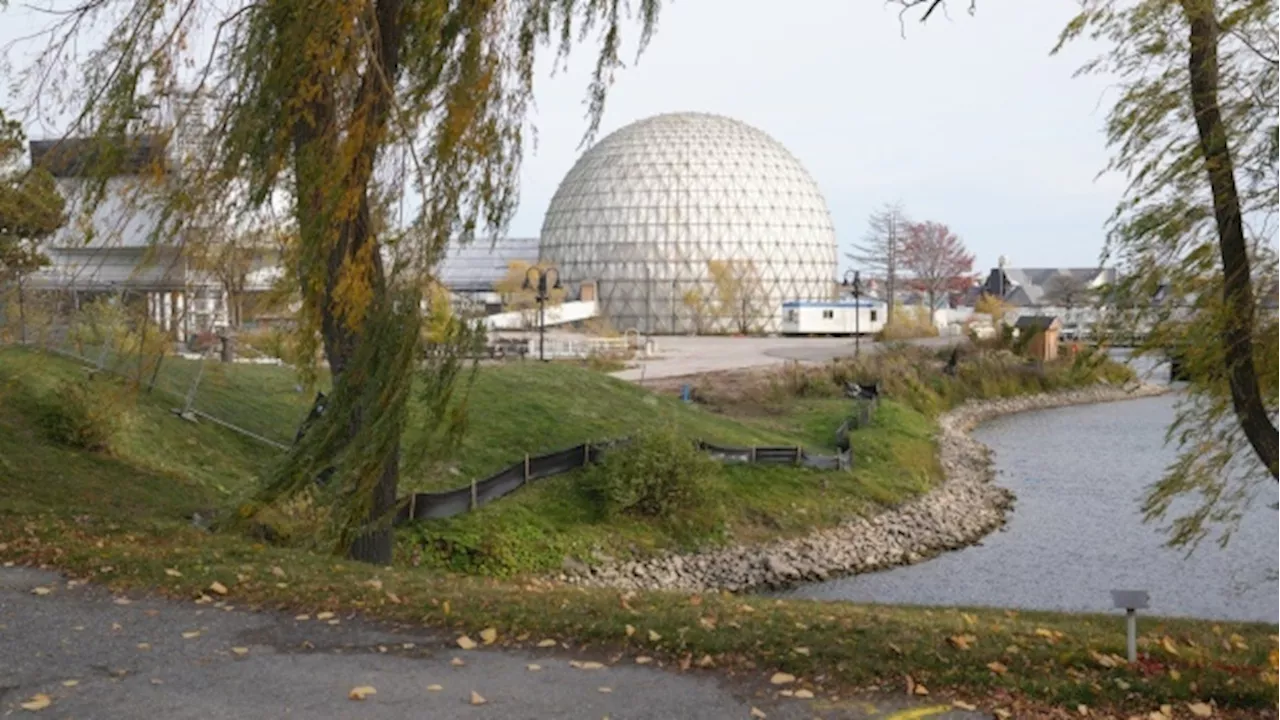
{"x":684,"y":355}
{"x":94,"y":657}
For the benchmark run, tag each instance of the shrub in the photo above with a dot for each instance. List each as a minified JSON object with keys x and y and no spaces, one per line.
{"x":659,"y":474}
{"x":908,"y":322}
{"x":86,"y":413}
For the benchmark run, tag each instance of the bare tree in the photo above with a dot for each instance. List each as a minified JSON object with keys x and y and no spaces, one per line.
{"x":1068,"y":291}
{"x":937,"y":260}
{"x":881,"y":249}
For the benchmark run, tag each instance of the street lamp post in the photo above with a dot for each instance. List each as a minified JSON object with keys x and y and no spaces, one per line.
{"x":542,"y":281}
{"x":853,"y":281}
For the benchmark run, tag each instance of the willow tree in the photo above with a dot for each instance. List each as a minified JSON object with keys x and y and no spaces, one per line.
{"x":1194,"y":130}
{"x":353,"y":111}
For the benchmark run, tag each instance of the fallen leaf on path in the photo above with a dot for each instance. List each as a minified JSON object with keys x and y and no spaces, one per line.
{"x":457,"y":662}
{"x":240,"y":650}
{"x":122,"y":601}
{"x":144,"y":646}
{"x":706,"y":662}
{"x":302,"y":618}
{"x":962,"y":705}
{"x":921,"y":689}
{"x":70,"y":683}
{"x":546,"y":643}
{"x":631,"y":630}
{"x":466,"y":643}
{"x":172,"y":572}
{"x":191,"y":634}
{"x":41,"y":590}
{"x":758,"y":713}
{"x":489,"y":636}
{"x":435,"y":688}
{"x":361,"y":692}
{"x":781,"y":678}
{"x":39,"y":701}
{"x":533,"y":667}
{"x":477,"y":698}
{"x":217,"y":588}
{"x":804,"y":694}
{"x":1200,"y":709}
{"x":1003,"y":714}
{"x":643,"y":660}
{"x":585,"y":665}
{"x":326,"y":615}
{"x":605,"y":689}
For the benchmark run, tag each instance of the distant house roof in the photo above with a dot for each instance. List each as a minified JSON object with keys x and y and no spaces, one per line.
{"x":1026,"y":287}
{"x":481,"y":264}
{"x":1037,"y":322}
{"x":80,"y":157}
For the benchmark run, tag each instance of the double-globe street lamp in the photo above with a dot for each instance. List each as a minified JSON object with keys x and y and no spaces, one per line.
{"x":853,"y":281}
{"x":542,"y":281}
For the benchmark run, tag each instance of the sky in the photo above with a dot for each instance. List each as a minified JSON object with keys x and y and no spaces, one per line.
{"x":966,"y":120}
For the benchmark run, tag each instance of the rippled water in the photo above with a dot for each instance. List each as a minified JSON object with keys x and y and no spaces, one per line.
{"x":1076,"y":531}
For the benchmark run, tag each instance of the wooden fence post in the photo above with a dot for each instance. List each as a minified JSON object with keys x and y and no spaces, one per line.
{"x":413,"y":506}
{"x":799,"y":453}
{"x":586,"y":453}
{"x":753,"y":455}
{"x":473,"y":494}
{"x":526,"y":467}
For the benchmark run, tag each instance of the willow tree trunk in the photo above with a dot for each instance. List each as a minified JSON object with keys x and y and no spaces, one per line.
{"x":1237,"y":286}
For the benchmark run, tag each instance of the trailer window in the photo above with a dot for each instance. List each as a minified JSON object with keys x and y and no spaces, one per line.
{"x":828,"y":314}
{"x":873,"y":316}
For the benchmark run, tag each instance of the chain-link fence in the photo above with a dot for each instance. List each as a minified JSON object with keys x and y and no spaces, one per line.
{"x":252,"y":394}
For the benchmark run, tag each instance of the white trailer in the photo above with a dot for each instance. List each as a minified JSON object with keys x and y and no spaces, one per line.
{"x":844,"y":317}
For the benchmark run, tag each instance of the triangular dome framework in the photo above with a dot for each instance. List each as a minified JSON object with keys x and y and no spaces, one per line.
{"x":644,"y":210}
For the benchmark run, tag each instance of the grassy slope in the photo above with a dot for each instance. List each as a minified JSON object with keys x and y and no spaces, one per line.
{"x":118,"y":521}
{"x":516,"y":409}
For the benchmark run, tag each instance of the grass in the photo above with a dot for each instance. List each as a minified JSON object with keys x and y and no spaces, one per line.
{"x":119,"y":520}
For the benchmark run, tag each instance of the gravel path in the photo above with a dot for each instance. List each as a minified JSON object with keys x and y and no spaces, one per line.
{"x":92,"y":656}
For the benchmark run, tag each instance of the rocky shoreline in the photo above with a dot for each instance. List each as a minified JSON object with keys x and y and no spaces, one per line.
{"x":964,"y":508}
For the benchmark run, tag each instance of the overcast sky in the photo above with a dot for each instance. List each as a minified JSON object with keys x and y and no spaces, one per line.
{"x":966,"y":120}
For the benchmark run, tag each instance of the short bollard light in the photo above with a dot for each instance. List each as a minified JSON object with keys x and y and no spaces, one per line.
{"x":1131,"y":601}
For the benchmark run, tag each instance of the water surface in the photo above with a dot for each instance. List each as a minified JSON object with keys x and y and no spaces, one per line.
{"x":1076,"y":531}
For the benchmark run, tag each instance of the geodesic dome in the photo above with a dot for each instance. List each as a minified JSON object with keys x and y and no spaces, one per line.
{"x":692,"y":222}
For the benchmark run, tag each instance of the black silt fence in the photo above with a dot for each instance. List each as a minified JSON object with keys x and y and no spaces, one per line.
{"x":422,"y":506}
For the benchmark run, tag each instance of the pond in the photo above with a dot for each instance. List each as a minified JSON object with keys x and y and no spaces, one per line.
{"x":1076,"y":531}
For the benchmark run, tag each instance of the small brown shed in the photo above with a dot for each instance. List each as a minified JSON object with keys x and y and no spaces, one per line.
{"x":1042,"y":331}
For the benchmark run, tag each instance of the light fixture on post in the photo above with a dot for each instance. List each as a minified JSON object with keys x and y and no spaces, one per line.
{"x":542,"y":281}
{"x":853,"y":281}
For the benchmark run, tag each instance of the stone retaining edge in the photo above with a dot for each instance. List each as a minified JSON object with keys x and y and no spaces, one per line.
{"x":962,"y":510}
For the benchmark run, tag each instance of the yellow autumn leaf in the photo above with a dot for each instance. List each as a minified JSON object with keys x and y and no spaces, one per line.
{"x":191,"y":634}
{"x":70,"y":683}
{"x":533,"y":667}
{"x":1169,"y":646}
{"x":631,"y":630}
{"x":997,"y":667}
{"x":477,"y":698}
{"x":240,"y":650}
{"x":445,"y":607}
{"x":920,"y":689}
{"x":435,"y":688}
{"x":706,"y":662}
{"x":217,"y":588}
{"x":758,"y":713}
{"x":546,"y":643}
{"x":585,"y":665}
{"x":801,"y":651}
{"x":643,"y":660}
{"x":804,"y":694}
{"x":361,"y":692}
{"x":781,"y":678}
{"x":466,"y":643}
{"x":489,"y":636}
{"x":654,"y":636}
{"x":605,"y":689}
{"x":962,"y":705}
{"x":38,"y":701}
{"x":1200,"y":709}
{"x":172,"y":572}
{"x":326,"y":615}
{"x":961,"y":642}
{"x":41,"y":590}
